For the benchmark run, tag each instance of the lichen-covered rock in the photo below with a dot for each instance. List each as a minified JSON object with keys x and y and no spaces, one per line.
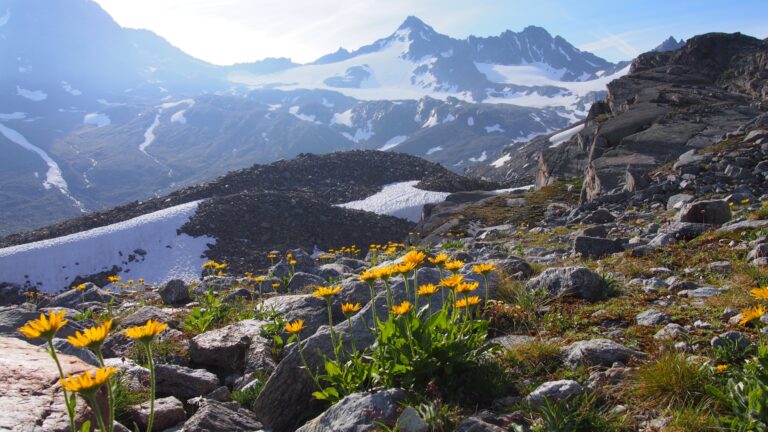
{"x":579,"y":282}
{"x":358,"y":412}
{"x":597,"y":352}
{"x":213,"y":416}
{"x":169,"y":412}
{"x":183,"y":382}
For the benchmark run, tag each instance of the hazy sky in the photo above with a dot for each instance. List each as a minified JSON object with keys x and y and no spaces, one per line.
{"x":229,"y":31}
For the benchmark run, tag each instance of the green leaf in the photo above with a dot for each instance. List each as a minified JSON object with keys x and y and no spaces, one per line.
{"x":86,"y":427}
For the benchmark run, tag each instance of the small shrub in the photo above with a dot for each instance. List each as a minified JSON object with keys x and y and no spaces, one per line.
{"x":731,"y":353}
{"x":123,"y":398}
{"x":247,"y":396}
{"x":535,"y":358}
{"x":696,"y":418}
{"x":761,"y":213}
{"x":439,"y":416}
{"x":746,"y":395}
{"x":671,"y":380}
{"x":584,"y":413}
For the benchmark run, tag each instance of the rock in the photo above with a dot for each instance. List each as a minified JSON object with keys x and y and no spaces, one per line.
{"x":64,"y":347}
{"x":333,"y":271}
{"x":720,"y":267}
{"x":579,"y":282}
{"x":225,"y":348}
{"x":184,"y":383}
{"x":141,"y":316}
{"x":133,"y":375}
{"x":410,"y":421}
{"x":670,"y":331}
{"x":358,"y":412}
{"x":651,"y":318}
{"x":213,"y":416}
{"x":514,"y":267}
{"x":474,"y":424}
{"x":599,"y":216}
{"x":731,"y":338}
{"x":743,"y":225}
{"x":593,"y":231}
{"x":32,"y":398}
{"x":12,"y":317}
{"x":301,"y":282}
{"x":596,"y":247}
{"x":554,"y":391}
{"x":511,"y":341}
{"x":676,"y":202}
{"x":10,"y":294}
{"x":703,"y":292}
{"x":597,"y":352}
{"x":74,"y":298}
{"x":175,"y":292}
{"x":169,"y":412}
{"x":712,"y":212}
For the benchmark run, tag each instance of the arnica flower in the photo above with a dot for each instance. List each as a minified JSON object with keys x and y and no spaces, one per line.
{"x":44,"y":327}
{"x":452,"y":281}
{"x":368,"y":275}
{"x":439,"y":260}
{"x":405,"y":267}
{"x":427,"y":290}
{"x":80,"y":287}
{"x":292,"y":262}
{"x":276,"y":285}
{"x":348,"y":308}
{"x":414,"y":257}
{"x":113,"y":279}
{"x":325,"y":292}
{"x":760,"y":293}
{"x":92,"y":337}
{"x":402,"y":309}
{"x":294,"y":327}
{"x":469,"y":301}
{"x":721,"y":368}
{"x":454,"y":266}
{"x":147,"y":332}
{"x":385,"y":273}
{"x":745,"y":201}
{"x":750,"y":314}
{"x":483,"y":269}
{"x":467,"y":287}
{"x":89,"y":381}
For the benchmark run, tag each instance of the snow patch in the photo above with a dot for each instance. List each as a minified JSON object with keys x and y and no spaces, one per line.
{"x":326,"y":103}
{"x":449,"y":118}
{"x":53,"y":264}
{"x":434,"y":150}
{"x":498,"y":163}
{"x":561,"y":137}
{"x":401,"y":200}
{"x":494,"y":128}
{"x":344,"y":119}
{"x":471,"y":121}
{"x":480,"y":158}
{"x":178,"y":117}
{"x":33,"y":95}
{"x":294,"y":110}
{"x":97,"y":119}
{"x":393,"y":142}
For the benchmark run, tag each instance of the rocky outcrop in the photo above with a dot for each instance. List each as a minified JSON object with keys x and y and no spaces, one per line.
{"x":358,"y":412}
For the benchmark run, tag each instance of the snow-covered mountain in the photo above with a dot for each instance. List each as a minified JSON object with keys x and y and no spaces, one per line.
{"x":95,"y":115}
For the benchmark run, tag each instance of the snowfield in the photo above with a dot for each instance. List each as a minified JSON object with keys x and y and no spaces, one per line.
{"x":564,"y":136}
{"x":393,"y":142}
{"x":159,"y":253}
{"x":401,"y":200}
{"x":97,"y":119}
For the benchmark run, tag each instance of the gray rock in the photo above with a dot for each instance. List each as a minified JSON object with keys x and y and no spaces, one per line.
{"x":670,"y":331}
{"x":225,"y":349}
{"x":554,"y":391}
{"x":214,"y":416}
{"x":64,"y":347}
{"x":169,"y":412}
{"x":579,"y":282}
{"x":74,"y":298}
{"x":184,"y":383}
{"x":676,"y":202}
{"x":743,"y":225}
{"x":511,"y":341}
{"x":730,"y":338}
{"x":593,"y":231}
{"x":599,"y":216}
{"x":333,"y":271}
{"x":10,"y":294}
{"x":300,"y":282}
{"x":410,"y":421}
{"x":141,"y":316}
{"x":597,"y":352}
{"x":175,"y":292}
{"x":703,"y":292}
{"x":713,"y":212}
{"x":596,"y":247}
{"x":514,"y":267}
{"x":358,"y":412}
{"x":133,"y":375}
{"x":651,"y":318}
{"x":720,"y":267}
{"x":474,"y":424}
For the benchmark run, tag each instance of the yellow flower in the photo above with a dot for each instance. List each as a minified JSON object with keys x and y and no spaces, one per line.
{"x":113,"y":279}
{"x":760,"y":293}
{"x":44,"y":327}
{"x":289,"y":256}
{"x":80,"y":287}
{"x":294,"y":327}
{"x":292,"y":262}
{"x":439,"y":260}
{"x":454,"y":266}
{"x":92,"y":337}
{"x":414,"y":257}
{"x":483,"y":269}
{"x":427,"y":290}
{"x":402,"y":309}
{"x":147,"y":332}
{"x":210,"y":264}
{"x":276,"y":285}
{"x":141,"y":281}
{"x":467,"y":287}
{"x":750,"y":314}
{"x":745,"y":201}
{"x":730,"y":203}
{"x":405,"y":267}
{"x":88,"y":382}
{"x":721,"y":368}
{"x":469,"y":301}
{"x":348,"y":308}
{"x":452,"y":281}
{"x":369,"y":275}
{"x":385,"y":273}
{"x":326,"y":292}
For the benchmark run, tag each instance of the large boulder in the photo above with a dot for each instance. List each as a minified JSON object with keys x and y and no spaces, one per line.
{"x":225,"y":349}
{"x":146,"y":313}
{"x":183,"y":382}
{"x":596,"y":247}
{"x":175,"y":292}
{"x":579,"y":282}
{"x":74,"y":298}
{"x":358,"y":412}
{"x":169,"y":412}
{"x":32,"y":399}
{"x":213,"y":416}
{"x":554,"y":391}
{"x":597,"y":352}
{"x":301,"y":282}
{"x":712,"y":212}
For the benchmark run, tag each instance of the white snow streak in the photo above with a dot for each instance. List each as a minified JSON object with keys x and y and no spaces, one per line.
{"x":393,"y":142}
{"x":401,"y":200}
{"x":565,"y":135}
{"x":498,"y":163}
{"x":434,"y":150}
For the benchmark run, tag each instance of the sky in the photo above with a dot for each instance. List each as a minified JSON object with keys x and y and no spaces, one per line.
{"x":234,"y":31}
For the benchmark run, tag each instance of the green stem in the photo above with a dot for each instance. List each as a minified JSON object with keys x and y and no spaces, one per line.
{"x":151,"y":387}
{"x":97,"y":412}
{"x":306,"y":366}
{"x":374,"y":316}
{"x":70,"y":408}
{"x":389,"y":296}
{"x":111,"y":399}
{"x":485,"y":277}
{"x":333,"y":334}
{"x":351,"y":334}
{"x":416,"y":288}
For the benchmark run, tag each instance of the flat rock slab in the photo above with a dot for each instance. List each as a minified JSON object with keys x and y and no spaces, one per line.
{"x":31,"y":398}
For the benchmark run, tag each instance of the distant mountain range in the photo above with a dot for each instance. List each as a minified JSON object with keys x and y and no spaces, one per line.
{"x":95,"y":115}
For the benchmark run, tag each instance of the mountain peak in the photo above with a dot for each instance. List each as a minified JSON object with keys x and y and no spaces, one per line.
{"x":413,"y":23}
{"x":670,"y":44}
